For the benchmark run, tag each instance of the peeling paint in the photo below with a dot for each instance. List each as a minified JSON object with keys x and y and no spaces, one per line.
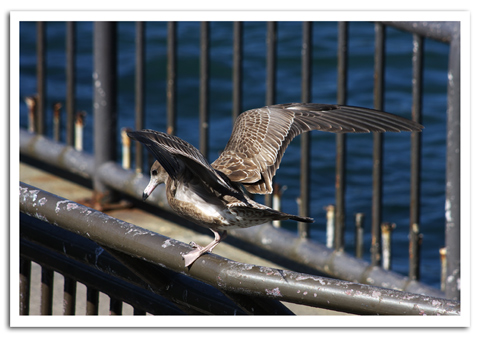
{"x":409,"y":297}
{"x":40,"y":217}
{"x":167,"y":243}
{"x":273,"y":292}
{"x":86,"y":210}
{"x":448,"y":211}
{"x":33,"y":194}
{"x":267,"y":271}
{"x":71,"y":205}
{"x":23,"y":190}
{"x":42,"y":201}
{"x":57,"y":207}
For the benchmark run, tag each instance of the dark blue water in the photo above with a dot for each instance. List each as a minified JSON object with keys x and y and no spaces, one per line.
{"x":324,"y":77}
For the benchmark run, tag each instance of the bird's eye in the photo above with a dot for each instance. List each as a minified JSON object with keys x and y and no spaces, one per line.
{"x":154,"y":172}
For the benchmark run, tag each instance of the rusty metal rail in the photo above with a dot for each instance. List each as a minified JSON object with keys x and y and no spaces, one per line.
{"x":302,"y":252}
{"x":226,"y":275}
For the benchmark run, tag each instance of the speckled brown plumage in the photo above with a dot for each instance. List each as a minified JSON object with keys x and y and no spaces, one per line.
{"x":212,"y":195}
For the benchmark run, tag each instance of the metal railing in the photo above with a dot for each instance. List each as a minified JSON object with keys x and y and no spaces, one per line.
{"x":254,"y":289}
{"x":331,"y":262}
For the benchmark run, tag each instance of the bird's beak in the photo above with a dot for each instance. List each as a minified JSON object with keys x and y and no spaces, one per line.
{"x":149,"y":189}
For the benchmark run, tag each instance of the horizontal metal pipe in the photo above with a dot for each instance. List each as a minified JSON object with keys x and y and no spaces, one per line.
{"x":336,"y":264}
{"x":57,"y":154}
{"x":279,"y":241}
{"x":223,"y":273}
{"x":443,"y":31}
{"x":89,"y":270}
{"x":105,"y":269}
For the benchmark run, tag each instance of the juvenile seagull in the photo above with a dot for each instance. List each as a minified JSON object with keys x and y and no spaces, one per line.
{"x":211,"y":195}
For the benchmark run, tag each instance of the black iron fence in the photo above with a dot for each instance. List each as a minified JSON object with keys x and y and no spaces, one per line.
{"x":108,"y":179}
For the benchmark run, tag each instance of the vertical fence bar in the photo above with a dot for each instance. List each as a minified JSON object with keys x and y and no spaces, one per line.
{"x":277,"y":201}
{"x":271,"y":62}
{"x":342,"y":54}
{"x":139,"y":91}
{"x":92,"y":301}
{"x":57,"y":121}
{"x":204,"y":80}
{"x":304,"y":228}
{"x":330,"y":240}
{"x":417,"y":82}
{"x":271,"y":76}
{"x":171,"y":76}
{"x":443,"y":267}
{"x":139,"y":312}
{"x":70,"y":77}
{"x":41,"y":73}
{"x":79,"y":125}
{"x":69,"y":296}
{"x":25,"y":277}
{"x":31,"y":102}
{"x":46,"y":291}
{"x":387,"y":229}
{"x":104,"y":107}
{"x":116,"y":307}
{"x":126,"y":149}
{"x":359,"y":223}
{"x":377,"y":145}
{"x":237,"y":68}
{"x":452,"y":203}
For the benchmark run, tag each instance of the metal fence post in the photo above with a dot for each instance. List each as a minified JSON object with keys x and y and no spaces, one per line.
{"x":341,"y":139}
{"x":41,"y":82}
{"x":452,"y":202}
{"x":305,"y":142}
{"x":377,"y":169}
{"x":104,"y":105}
{"x":139,"y":90}
{"x":71,"y":78}
{"x":415,"y":157}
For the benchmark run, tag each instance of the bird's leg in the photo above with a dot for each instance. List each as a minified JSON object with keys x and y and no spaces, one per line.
{"x":199,"y":250}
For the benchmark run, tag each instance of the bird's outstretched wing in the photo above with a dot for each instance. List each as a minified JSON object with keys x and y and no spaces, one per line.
{"x":175,"y":155}
{"x":260,"y":136}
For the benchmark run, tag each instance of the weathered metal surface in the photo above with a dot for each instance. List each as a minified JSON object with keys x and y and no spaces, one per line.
{"x":341,"y":138}
{"x":279,"y":241}
{"x":139,"y":89}
{"x":222,"y":273}
{"x":105,"y":102}
{"x":452,"y":184}
{"x":83,"y":260}
{"x":443,"y":31}
{"x":56,"y":154}
{"x":377,"y":163}
{"x":305,"y":138}
{"x":415,"y":157}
